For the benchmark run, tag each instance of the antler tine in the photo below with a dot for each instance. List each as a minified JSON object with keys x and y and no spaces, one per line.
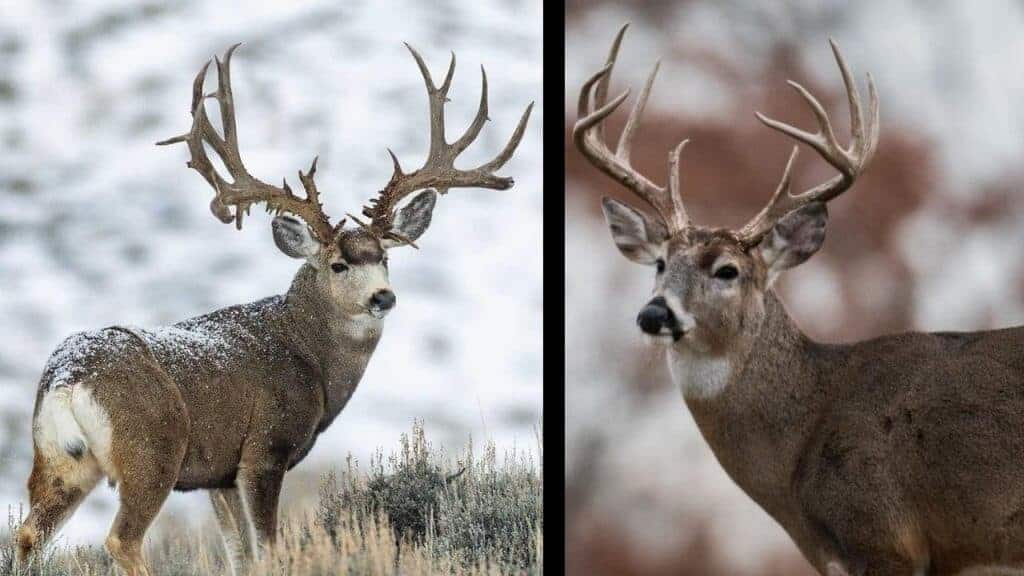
{"x":439,"y":171}
{"x":873,"y":120}
{"x":853,"y":97}
{"x":245,"y":190}
{"x":601,"y":90}
{"x":850,"y":161}
{"x":438,"y":97}
{"x":478,"y":121}
{"x":226,"y":100}
{"x":624,"y":149}
{"x":674,"y":193}
{"x":588,"y":136}
{"x":773,"y":210}
{"x":510,"y":147}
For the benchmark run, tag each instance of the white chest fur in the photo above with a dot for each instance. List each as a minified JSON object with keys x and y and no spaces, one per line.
{"x":697,"y":375}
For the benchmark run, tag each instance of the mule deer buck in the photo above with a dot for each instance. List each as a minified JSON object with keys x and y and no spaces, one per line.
{"x":231,"y":400}
{"x":898,"y":455}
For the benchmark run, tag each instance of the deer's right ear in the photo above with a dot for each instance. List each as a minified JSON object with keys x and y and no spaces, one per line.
{"x":638,"y":237}
{"x":293,"y":238}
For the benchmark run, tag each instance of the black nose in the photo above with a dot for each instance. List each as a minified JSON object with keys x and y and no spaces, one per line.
{"x":655,"y":315}
{"x":383,"y":299}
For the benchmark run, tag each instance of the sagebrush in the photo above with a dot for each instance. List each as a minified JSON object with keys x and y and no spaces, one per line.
{"x":416,"y":511}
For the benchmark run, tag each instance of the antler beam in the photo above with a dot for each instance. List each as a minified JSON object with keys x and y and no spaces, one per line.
{"x":594,"y":108}
{"x":588,"y":136}
{"x":245,"y":190}
{"x":850,"y":161}
{"x":439,"y":171}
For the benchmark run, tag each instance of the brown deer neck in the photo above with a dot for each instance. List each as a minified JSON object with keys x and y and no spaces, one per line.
{"x":757,"y":423}
{"x":337,"y":345}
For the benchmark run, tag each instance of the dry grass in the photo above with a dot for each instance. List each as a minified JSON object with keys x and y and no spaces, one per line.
{"x":411,"y":513}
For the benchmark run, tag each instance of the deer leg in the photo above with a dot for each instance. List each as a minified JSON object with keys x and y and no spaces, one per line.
{"x":150,"y":438}
{"x":878,"y":564}
{"x":835,"y":568}
{"x":142,"y":493}
{"x":260,"y":489}
{"x":57,"y":485}
{"x":235,"y":528}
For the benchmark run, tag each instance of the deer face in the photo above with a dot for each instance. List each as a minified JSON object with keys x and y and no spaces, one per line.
{"x":353,"y":269}
{"x":710,"y":283}
{"x":709,"y":287}
{"x":351,"y":265}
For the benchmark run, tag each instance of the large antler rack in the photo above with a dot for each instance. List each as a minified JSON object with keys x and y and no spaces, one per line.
{"x":851,"y":161}
{"x":245,"y":189}
{"x":439,"y":171}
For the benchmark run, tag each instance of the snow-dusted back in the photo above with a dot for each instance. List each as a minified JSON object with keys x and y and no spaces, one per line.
{"x":101,"y":227}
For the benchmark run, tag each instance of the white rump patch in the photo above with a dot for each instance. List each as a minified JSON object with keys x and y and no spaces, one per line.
{"x":55,"y":429}
{"x":61,"y":441}
{"x":94,"y":422}
{"x":699,"y":376}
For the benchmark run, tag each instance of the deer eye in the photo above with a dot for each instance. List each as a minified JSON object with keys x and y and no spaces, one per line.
{"x":339,"y":267}
{"x":660,"y":265}
{"x":727,"y":272}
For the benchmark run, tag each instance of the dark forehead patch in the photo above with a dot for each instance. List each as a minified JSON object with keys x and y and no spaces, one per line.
{"x":360,"y":247}
{"x":708,"y":257}
{"x":705,"y":245}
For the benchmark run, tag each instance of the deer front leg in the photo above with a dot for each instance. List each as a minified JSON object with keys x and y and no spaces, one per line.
{"x":260,"y":488}
{"x":836,"y":568}
{"x":235,"y":528}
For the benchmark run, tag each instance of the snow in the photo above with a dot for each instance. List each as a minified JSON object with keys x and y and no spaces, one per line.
{"x":105,"y":228}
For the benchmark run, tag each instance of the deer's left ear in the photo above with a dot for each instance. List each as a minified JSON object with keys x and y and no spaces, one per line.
{"x":793,"y":239}
{"x":413,"y":219}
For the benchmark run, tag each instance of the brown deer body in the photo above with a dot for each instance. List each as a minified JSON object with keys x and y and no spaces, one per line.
{"x":231,"y":400}
{"x":898,"y":455}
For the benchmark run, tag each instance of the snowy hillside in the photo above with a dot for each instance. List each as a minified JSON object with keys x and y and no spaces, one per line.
{"x":102,"y":227}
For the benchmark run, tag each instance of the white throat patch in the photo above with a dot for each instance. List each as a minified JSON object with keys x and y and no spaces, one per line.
{"x":698,"y":376}
{"x":361,"y":326}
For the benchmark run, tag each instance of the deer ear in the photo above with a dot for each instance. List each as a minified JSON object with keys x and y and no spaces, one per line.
{"x":413,"y":219}
{"x":638,"y":237}
{"x":794,"y":239}
{"x":293,"y":238}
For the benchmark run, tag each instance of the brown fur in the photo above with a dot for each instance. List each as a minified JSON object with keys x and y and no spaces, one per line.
{"x":228,"y":401}
{"x":892,"y":455}
{"x":898,"y":455}
{"x":231,"y":400}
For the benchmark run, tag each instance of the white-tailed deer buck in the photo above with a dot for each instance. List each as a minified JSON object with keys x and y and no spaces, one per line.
{"x":898,"y":455}
{"x":231,"y":400}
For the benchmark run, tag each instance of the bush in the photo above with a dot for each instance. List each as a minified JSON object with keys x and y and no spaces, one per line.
{"x":474,"y":513}
{"x":412,"y":513}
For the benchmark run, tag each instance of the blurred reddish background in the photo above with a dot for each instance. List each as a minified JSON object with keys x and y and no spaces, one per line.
{"x":930,"y":237}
